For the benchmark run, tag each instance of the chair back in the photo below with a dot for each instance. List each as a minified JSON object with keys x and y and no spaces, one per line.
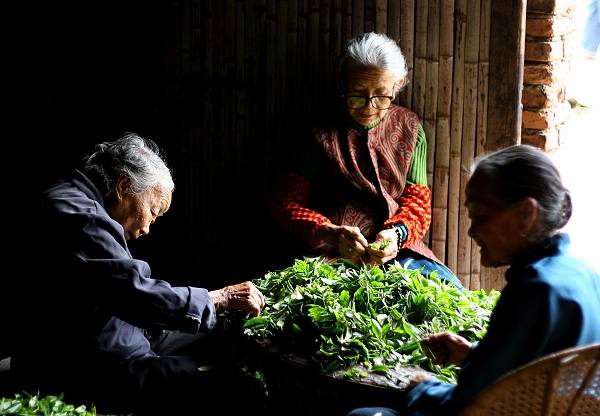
{"x":565,"y":383}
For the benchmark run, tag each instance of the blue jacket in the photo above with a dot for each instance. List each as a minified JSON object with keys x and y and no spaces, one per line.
{"x":551,"y":302}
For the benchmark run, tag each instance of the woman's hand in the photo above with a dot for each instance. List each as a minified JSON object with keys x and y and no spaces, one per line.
{"x":241,"y":297}
{"x":385,"y":246}
{"x":416,"y":379}
{"x":446,"y":348}
{"x":349,"y":241}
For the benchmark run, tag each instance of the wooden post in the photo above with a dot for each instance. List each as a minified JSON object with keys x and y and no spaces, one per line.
{"x":507,"y":51}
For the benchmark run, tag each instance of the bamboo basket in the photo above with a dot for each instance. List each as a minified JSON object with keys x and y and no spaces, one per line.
{"x":299,"y":389}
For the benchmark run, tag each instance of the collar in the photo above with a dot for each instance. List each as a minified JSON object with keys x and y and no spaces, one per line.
{"x":363,"y":129}
{"x":552,"y":246}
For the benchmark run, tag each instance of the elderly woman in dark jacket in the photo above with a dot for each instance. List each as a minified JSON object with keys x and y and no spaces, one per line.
{"x":103,"y":330}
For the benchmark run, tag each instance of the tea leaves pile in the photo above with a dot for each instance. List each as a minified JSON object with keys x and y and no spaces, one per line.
{"x":339,"y":315}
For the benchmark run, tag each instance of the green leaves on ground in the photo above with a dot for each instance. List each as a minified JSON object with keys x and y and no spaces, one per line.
{"x":340,"y":315}
{"x":34,"y":405}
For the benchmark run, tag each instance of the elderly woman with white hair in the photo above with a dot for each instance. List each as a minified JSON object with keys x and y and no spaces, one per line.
{"x":356,"y":186}
{"x":97,"y":325}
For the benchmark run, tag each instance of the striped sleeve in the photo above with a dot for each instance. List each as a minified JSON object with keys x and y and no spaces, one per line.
{"x":287,"y":207}
{"x":415,"y":203}
{"x":417,"y":171}
{"x":414,"y":213}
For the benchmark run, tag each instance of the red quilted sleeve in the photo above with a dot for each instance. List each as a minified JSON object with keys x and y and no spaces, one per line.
{"x":287,"y":206}
{"x":414,"y":213}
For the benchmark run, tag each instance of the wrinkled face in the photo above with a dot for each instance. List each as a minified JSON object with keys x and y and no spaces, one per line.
{"x":135,"y":212}
{"x":368,"y":82}
{"x":496,"y":227}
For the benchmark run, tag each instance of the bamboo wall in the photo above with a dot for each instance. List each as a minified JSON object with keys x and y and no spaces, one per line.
{"x":219,"y":84}
{"x":240,"y":73}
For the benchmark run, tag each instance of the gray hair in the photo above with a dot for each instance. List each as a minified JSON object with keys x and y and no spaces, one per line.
{"x":138,"y":158}
{"x":522,"y":171}
{"x":377,"y":51}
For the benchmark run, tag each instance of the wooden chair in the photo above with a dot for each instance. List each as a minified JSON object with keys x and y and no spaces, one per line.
{"x":565,"y":383}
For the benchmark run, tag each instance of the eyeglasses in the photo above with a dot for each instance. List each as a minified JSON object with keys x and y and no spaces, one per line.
{"x":380,"y":102}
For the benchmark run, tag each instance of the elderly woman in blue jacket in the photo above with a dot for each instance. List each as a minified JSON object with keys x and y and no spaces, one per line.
{"x":517,"y":205}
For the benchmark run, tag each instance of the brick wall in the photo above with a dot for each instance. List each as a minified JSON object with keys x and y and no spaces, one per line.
{"x":548,"y":52}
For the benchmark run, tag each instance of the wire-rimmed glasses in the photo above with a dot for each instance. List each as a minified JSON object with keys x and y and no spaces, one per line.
{"x":380,"y":102}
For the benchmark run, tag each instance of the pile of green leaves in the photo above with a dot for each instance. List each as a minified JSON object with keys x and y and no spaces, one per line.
{"x":339,"y":315}
{"x":31,"y":405}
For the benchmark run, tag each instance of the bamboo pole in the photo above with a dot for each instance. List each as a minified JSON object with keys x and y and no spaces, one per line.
{"x":482,"y":107}
{"x":188,"y":54}
{"x":369,"y":16}
{"x":442,"y":154}
{"x":393,"y":20}
{"x":229,"y":143}
{"x":313,"y":44}
{"x":439,"y":203}
{"x":254,"y":102}
{"x":240,"y":100}
{"x":281,"y":55}
{"x":182,"y":37}
{"x":336,"y":45}
{"x":325,"y":75}
{"x":347,"y":21}
{"x":407,"y":44}
{"x":192,"y":44}
{"x":358,"y":18}
{"x":381,"y":16}
{"x":469,"y":134}
{"x":270,"y":72}
{"x":467,"y":156}
{"x":484,"y":68}
{"x":303,"y":53}
{"x":420,"y":68}
{"x":221,"y":120}
{"x":456,"y":133}
{"x":228,"y":7}
{"x":431,"y":91}
{"x":294,"y":86}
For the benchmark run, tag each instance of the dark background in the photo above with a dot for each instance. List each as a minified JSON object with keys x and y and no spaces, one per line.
{"x":79,"y":73}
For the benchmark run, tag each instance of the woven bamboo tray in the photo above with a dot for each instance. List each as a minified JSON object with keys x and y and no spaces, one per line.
{"x":299,"y":390}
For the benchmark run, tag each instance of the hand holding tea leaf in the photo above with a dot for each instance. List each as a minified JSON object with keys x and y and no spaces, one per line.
{"x":384,"y":248}
{"x":446,"y":348}
{"x":241,"y":297}
{"x":347,"y":240}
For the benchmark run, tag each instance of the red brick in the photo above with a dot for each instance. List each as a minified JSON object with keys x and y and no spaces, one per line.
{"x":545,"y":74}
{"x":546,"y":140}
{"x":543,"y":26}
{"x":543,"y":51}
{"x":539,"y":119}
{"x":541,"y":96}
{"x":544,"y":118}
